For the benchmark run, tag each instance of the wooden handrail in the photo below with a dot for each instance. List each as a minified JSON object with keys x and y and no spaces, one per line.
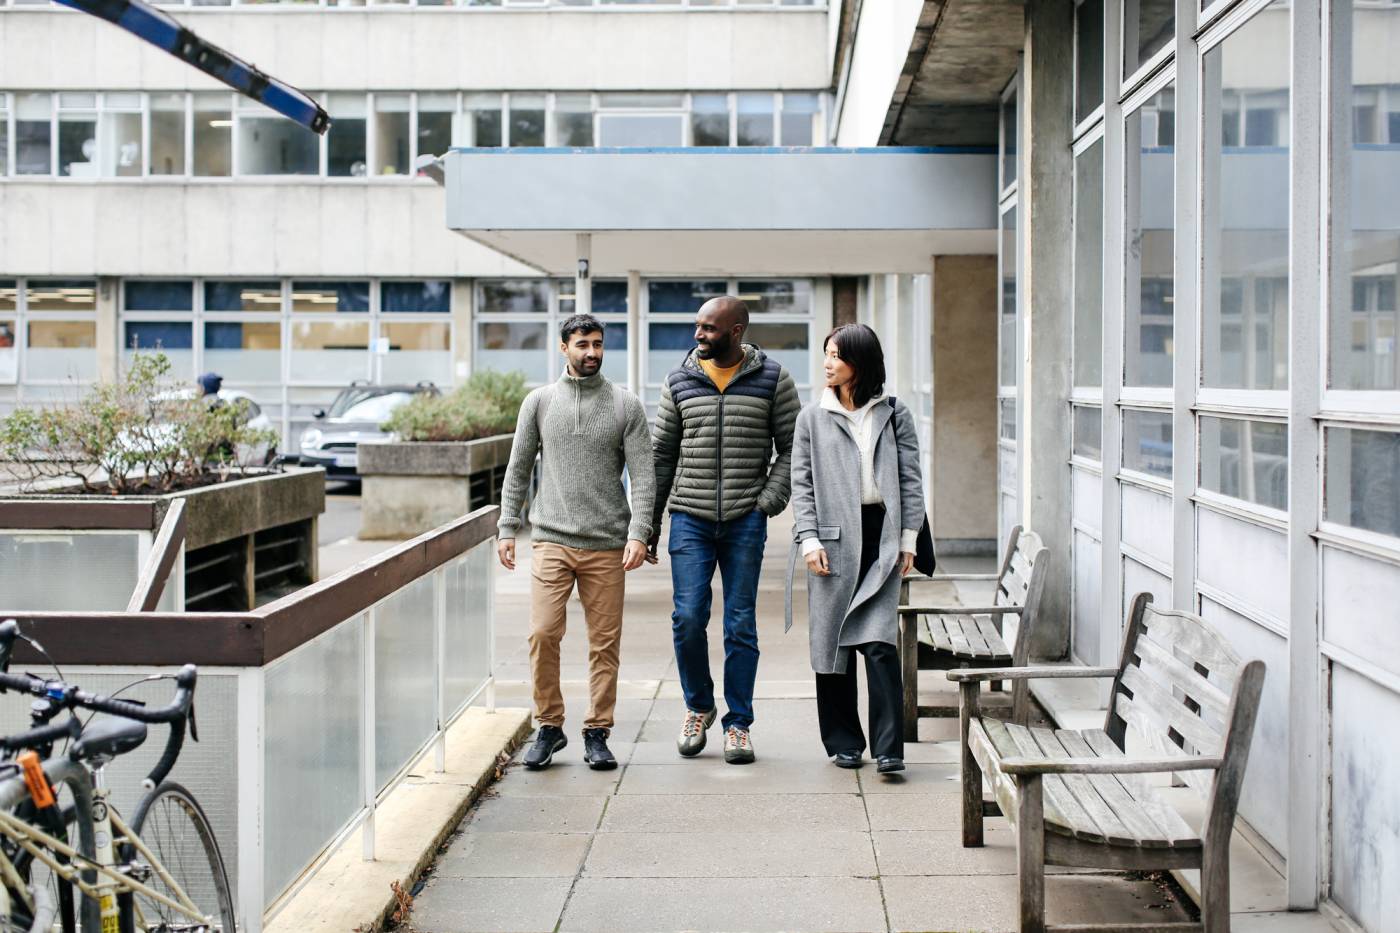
{"x":164,"y":551}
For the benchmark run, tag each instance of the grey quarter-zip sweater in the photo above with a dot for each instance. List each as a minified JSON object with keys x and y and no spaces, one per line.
{"x":581,"y":502}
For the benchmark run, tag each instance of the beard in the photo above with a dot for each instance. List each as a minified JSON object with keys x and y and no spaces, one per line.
{"x":586,"y":367}
{"x":714,"y":349}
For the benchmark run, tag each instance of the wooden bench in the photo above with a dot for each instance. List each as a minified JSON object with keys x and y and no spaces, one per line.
{"x":1074,"y":798}
{"x":939,"y":638}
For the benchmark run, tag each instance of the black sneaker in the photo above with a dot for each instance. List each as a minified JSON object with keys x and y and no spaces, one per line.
{"x":595,"y":750}
{"x":547,"y":741}
{"x":888,"y":764}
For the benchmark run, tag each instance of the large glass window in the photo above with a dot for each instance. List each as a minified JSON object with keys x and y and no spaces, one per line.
{"x":1007,"y":343}
{"x":330,"y":297}
{"x":709,"y":120}
{"x":677,"y":297}
{"x":417,"y":351}
{"x":61,"y":351}
{"x":527,"y":119}
{"x":244,"y":351}
{"x":213,"y":134}
{"x":1246,"y":460}
{"x":1362,"y":479}
{"x":1008,"y":141}
{"x":1244,"y":250}
{"x":119,"y":136}
{"x":1088,"y":266}
{"x":330,"y":352}
{"x":434,"y":295}
{"x":346,"y":140}
{"x":9,"y":331}
{"x":515,"y":296}
{"x":167,"y":134}
{"x":799,"y":119}
{"x":782,"y":296}
{"x":483,"y":120}
{"x":435,"y":112}
{"x":1088,"y":432}
{"x":270,"y":144}
{"x":4,"y":134}
{"x":175,"y":339}
{"x":573,"y":120}
{"x":1148,"y":27}
{"x":1147,"y":442}
{"x":34,"y":134}
{"x":1088,"y":58}
{"x":392,"y":146}
{"x":77,"y":135}
{"x":142,"y":295}
{"x":1364,"y":319}
{"x":755,"y":119}
{"x":509,"y":346}
{"x":243,"y":296}
{"x":1150,"y":147}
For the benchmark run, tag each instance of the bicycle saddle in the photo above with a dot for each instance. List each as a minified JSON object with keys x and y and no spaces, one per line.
{"x":109,"y":737}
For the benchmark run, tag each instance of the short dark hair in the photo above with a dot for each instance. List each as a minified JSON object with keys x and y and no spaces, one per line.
{"x":858,"y":346}
{"x":580,"y":324}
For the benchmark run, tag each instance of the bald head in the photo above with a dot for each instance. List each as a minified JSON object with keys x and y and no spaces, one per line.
{"x":719,"y":329}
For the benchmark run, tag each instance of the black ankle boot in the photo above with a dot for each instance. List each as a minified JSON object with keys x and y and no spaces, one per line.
{"x":595,"y":750}
{"x":547,"y":741}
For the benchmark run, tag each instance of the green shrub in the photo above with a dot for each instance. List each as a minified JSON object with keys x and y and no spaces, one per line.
{"x":485,"y":405}
{"x":139,"y":434}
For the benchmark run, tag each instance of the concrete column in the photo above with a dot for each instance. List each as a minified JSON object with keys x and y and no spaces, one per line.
{"x":634,"y":331}
{"x":962,"y":454}
{"x":845,"y":299}
{"x":463,"y":329}
{"x":1045,"y":214}
{"x":583,"y":275}
{"x":109,"y":341}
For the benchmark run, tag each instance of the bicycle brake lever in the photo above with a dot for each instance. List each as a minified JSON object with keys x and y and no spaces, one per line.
{"x":194,"y":727}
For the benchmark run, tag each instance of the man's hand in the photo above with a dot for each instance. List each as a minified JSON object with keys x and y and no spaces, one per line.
{"x":817,"y":564}
{"x":652,"y":543}
{"x":906,"y":564}
{"x":633,"y":555}
{"x":505,"y":552}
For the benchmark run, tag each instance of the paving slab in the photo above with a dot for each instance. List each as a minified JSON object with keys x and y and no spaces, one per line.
{"x":900,"y":812}
{"x":568,"y":776}
{"x":480,"y":854}
{"x":537,"y":813}
{"x":490,"y":905}
{"x":916,"y":778}
{"x":658,"y":905}
{"x":756,"y":813}
{"x":710,"y":775}
{"x":761,"y":855}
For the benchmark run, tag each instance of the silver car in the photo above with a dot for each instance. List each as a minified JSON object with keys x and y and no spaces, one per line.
{"x":354,"y":416}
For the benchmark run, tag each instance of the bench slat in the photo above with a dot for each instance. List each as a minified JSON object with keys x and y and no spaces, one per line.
{"x":1168,"y":711}
{"x":1174,"y":829}
{"x":1206,"y":694}
{"x":958,"y":641}
{"x":1020,"y":561}
{"x":1003,"y":786}
{"x":1138,"y":818}
{"x":1173,"y":631}
{"x":1150,"y":728}
{"x":1109,"y":824}
{"x":1063,"y":813}
{"x":973,"y":633}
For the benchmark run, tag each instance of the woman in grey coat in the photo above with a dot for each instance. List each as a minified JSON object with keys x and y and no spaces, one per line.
{"x":857,"y":498}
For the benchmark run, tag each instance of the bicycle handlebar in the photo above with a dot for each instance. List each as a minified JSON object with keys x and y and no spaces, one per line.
{"x":43,"y":735}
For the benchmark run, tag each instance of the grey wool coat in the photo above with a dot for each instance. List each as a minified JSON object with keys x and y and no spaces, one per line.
{"x":826,"y":505}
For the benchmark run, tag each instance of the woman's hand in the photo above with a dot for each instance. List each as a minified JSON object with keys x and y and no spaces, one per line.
{"x":816,"y":563}
{"x":906,"y":563}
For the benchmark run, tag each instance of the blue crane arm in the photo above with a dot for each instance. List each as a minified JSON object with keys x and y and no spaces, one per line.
{"x":165,"y":32}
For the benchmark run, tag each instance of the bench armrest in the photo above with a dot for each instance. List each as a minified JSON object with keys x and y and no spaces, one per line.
{"x":963,"y":675}
{"x":1107,"y":765}
{"x":961,"y":610}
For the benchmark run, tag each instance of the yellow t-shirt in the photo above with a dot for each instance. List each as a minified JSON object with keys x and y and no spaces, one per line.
{"x":720,"y":376}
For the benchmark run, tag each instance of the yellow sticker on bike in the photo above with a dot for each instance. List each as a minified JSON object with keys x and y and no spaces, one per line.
{"x":111,"y":917}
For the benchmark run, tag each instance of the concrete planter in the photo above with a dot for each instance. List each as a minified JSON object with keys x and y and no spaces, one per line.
{"x":246,"y":540}
{"x":409,"y":487}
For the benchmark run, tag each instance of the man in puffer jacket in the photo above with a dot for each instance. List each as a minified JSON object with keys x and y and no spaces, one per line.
{"x":723,"y":412}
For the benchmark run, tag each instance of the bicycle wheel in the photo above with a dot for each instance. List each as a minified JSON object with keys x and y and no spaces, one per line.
{"x":171,"y":824}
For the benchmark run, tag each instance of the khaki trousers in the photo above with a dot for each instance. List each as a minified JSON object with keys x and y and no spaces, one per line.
{"x":554,"y":570}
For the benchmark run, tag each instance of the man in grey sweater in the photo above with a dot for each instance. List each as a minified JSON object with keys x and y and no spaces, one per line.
{"x":585,"y":430}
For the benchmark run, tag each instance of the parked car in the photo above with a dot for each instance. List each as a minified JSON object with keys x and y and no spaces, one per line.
{"x":253,"y":416}
{"x":354,"y":416}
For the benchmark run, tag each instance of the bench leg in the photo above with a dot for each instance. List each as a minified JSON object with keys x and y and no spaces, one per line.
{"x":1215,"y":887}
{"x":1030,"y":854}
{"x":1020,"y":702}
{"x":909,"y":673}
{"x":995,"y":686}
{"x":971,"y":772}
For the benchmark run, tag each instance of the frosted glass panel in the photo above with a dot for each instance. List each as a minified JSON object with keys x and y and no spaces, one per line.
{"x":37,"y":570}
{"x":404,"y":718}
{"x":467,"y":661}
{"x":1088,"y":572}
{"x":313,"y":786}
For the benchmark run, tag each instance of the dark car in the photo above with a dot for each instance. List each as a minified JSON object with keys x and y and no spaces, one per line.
{"x":354,"y":416}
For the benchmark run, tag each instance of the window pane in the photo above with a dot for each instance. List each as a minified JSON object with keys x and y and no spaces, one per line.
{"x":435,"y":122}
{"x":792,"y":296}
{"x":120,"y":144}
{"x":4,"y":136}
{"x":9,"y":355}
{"x":667,"y":346}
{"x":1007,"y":419}
{"x":173,"y":338}
{"x":799,"y":119}
{"x":434,"y":295}
{"x":484,"y":120}
{"x":1008,"y":141}
{"x":1147,"y":442}
{"x":167,"y":134}
{"x":755,"y":119}
{"x":77,"y":144}
{"x":418,"y":352}
{"x":33,"y":134}
{"x":608,"y":298}
{"x":9,"y":295}
{"x":1007,"y":351}
{"x":242,"y":296}
{"x":573,"y":120}
{"x":391,"y":134}
{"x":641,"y":130}
{"x":506,"y":347}
{"x":242,"y":351}
{"x":158,"y":296}
{"x":269,"y":144}
{"x":641,"y":101}
{"x":1364,"y":320}
{"x":330,"y":297}
{"x":1148,"y":27}
{"x":213,"y":134}
{"x":61,"y":350}
{"x":786,"y":343}
{"x":1245,"y":459}
{"x":1244,"y":249}
{"x":61,"y":295}
{"x":1150,"y":152}
{"x":345,"y":140}
{"x":1088,"y":266}
{"x":709,"y":120}
{"x":526,"y":120}
{"x":681,"y":297}
{"x":1363,"y":479}
{"x":1088,"y":432}
{"x":330,"y":352}
{"x":518,"y":295}
{"x":1088,"y":58}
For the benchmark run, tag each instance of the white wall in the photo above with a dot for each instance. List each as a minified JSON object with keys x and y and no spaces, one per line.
{"x":883,"y":35}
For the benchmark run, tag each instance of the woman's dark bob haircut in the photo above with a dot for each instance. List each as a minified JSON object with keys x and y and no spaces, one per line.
{"x":859,"y":348}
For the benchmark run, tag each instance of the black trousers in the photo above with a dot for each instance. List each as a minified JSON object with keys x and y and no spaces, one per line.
{"x":837,"y":701}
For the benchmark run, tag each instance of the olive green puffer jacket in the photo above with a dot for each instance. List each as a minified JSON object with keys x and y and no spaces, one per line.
{"x":714,"y":451}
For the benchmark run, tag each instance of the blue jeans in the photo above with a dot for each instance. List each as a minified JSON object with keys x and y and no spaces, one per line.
{"x":736,"y":547}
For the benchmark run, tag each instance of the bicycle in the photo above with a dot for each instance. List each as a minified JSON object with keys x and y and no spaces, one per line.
{"x":161,"y":873}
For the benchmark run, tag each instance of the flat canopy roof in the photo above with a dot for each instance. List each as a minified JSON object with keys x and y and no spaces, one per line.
{"x":684,"y":211}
